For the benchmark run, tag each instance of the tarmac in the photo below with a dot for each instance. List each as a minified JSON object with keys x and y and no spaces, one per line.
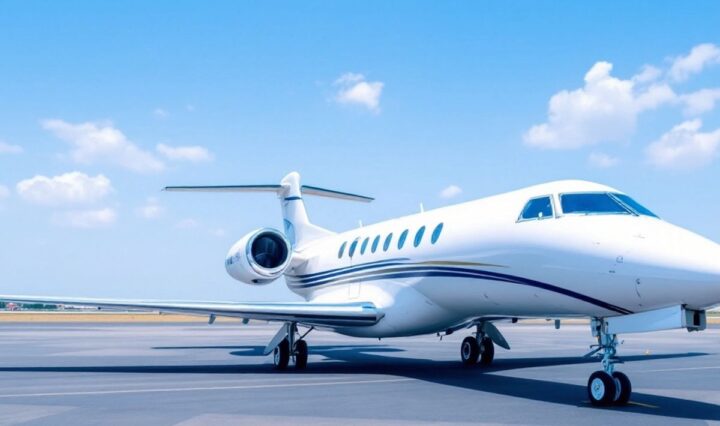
{"x":198,"y":374}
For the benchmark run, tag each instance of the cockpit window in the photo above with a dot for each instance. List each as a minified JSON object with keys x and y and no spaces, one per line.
{"x":592,"y":203}
{"x":634,"y":205}
{"x":537,"y":208}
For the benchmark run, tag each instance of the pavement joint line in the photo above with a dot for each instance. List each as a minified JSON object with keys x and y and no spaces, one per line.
{"x":678,"y":369}
{"x":641,"y":404}
{"x":195,"y":389}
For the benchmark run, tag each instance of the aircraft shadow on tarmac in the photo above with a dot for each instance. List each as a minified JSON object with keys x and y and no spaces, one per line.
{"x":371,"y":359}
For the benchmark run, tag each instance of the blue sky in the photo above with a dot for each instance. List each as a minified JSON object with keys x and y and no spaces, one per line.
{"x":102,"y":104}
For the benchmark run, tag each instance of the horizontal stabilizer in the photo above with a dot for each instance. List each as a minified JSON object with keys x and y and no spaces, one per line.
{"x":277,"y":189}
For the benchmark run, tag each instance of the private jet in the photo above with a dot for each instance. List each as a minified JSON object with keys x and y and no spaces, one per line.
{"x":564,"y":249}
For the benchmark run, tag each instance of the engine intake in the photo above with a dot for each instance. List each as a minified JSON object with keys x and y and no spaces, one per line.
{"x":260,"y":257}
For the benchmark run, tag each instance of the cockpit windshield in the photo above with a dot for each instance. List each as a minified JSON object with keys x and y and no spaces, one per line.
{"x":602,"y":203}
{"x":591,"y":203}
{"x":634,"y":205}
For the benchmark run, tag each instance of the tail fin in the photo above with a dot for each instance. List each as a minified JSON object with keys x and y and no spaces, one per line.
{"x":298,"y":228}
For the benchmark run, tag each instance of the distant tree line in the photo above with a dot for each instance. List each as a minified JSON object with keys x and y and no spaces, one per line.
{"x":32,"y":306}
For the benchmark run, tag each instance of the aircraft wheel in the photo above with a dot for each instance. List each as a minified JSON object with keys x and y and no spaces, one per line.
{"x":488,"y":351}
{"x":469,"y":351}
{"x":601,"y":389}
{"x":281,"y":355}
{"x":623,"y":388}
{"x":301,"y":354}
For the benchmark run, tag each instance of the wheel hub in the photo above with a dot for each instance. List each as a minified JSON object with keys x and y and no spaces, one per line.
{"x":597,"y":388}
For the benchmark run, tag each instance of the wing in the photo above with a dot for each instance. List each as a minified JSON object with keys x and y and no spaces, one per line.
{"x":319,"y":314}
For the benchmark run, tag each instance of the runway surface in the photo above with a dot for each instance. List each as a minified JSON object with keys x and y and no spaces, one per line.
{"x":192,"y":374}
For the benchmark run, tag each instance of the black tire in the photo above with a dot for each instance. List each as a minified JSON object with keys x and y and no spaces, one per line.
{"x":301,"y":354}
{"x":469,"y":351}
{"x":487,"y":354}
{"x":623,"y":388}
{"x":601,"y":389}
{"x":281,"y":355}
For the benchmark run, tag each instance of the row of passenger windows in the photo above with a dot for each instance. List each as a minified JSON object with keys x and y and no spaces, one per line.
{"x":585,"y":203}
{"x":417,"y":240}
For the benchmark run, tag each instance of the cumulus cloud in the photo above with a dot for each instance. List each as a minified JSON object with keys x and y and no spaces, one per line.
{"x":694,"y":62}
{"x":151,"y":209}
{"x":605,"y":109}
{"x":684,"y":147}
{"x":184,"y":153}
{"x":602,"y":161}
{"x":101,"y":142}
{"x":86,"y":219}
{"x":6,"y":148}
{"x":451,"y":191}
{"x":700,"y":101}
{"x":355,"y":89}
{"x":68,"y":188}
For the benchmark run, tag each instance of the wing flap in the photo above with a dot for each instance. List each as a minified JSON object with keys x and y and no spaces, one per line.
{"x":320,"y":314}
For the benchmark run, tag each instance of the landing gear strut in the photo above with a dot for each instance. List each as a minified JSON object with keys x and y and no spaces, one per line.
{"x":476,"y":348}
{"x":292,"y":347}
{"x":607,"y":386}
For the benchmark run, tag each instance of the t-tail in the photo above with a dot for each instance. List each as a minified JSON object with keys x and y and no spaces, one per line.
{"x":298,"y":228}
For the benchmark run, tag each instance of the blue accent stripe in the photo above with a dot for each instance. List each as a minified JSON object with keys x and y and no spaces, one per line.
{"x":348,"y":269}
{"x":454,"y":272}
{"x":292,"y":198}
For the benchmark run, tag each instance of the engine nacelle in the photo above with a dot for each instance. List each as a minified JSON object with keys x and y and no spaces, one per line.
{"x":260,"y":257}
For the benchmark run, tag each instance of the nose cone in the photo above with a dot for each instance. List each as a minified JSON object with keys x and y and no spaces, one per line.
{"x":687,"y":265}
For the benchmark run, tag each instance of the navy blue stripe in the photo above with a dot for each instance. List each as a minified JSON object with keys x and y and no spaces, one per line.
{"x":339,"y":271}
{"x":292,"y":198}
{"x":451,"y":272}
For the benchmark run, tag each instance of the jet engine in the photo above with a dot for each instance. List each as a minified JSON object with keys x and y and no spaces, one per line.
{"x":259,"y":257}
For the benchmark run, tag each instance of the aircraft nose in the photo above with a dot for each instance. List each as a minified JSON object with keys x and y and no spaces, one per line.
{"x":687,"y":263}
{"x":703,"y":270}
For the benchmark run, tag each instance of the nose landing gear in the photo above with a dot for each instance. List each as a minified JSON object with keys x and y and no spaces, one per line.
{"x":607,"y":386}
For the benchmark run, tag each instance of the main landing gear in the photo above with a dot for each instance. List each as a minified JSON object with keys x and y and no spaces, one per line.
{"x":292,"y":347}
{"x":607,"y":386}
{"x":480,"y":347}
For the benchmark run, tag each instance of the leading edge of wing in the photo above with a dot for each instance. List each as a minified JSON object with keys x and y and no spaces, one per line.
{"x":321,"y":314}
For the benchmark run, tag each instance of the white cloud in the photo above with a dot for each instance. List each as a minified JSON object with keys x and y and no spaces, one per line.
{"x":602,"y":161}
{"x":73,"y":187}
{"x":605,"y":109}
{"x":101,"y":142}
{"x":4,"y":192}
{"x":354,"y":89}
{"x":647,"y":74}
{"x":700,"y":101}
{"x":86,"y":218}
{"x":151,"y":209}
{"x":699,"y":57}
{"x":450,"y":192}
{"x":184,"y":153}
{"x":6,"y":148}
{"x":684,"y":147}
{"x":160,"y":113}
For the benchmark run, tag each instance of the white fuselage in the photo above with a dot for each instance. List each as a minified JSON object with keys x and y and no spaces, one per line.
{"x":487,"y":263}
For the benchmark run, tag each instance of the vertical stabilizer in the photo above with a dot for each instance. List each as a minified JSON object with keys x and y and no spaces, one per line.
{"x":298,"y":228}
